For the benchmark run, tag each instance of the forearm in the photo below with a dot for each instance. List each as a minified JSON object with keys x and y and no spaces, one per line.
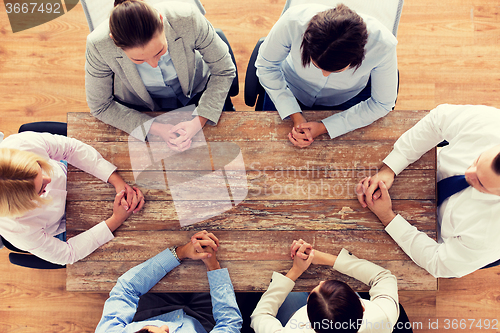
{"x":322,"y":258}
{"x":427,"y":253}
{"x":360,"y":115}
{"x":76,"y":248}
{"x":263,"y":318}
{"x":225,"y":309}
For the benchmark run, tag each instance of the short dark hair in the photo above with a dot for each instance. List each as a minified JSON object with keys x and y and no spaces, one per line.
{"x":335,"y":39}
{"x":143,"y":330}
{"x":496,"y":164}
{"x":336,"y":302}
{"x":133,"y":23}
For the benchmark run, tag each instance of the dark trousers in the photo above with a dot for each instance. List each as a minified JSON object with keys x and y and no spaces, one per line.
{"x":196,"y":305}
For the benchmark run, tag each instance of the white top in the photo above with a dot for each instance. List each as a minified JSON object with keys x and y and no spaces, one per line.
{"x":381,"y":311}
{"x":469,"y":220}
{"x":35,"y":231}
{"x":280,"y":71}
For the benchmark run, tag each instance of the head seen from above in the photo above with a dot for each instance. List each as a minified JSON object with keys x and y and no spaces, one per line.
{"x":336,"y":302}
{"x":23,"y":178}
{"x":137,"y":28}
{"x":334,"y":40}
{"x":484,"y":173}
{"x":154,"y":329}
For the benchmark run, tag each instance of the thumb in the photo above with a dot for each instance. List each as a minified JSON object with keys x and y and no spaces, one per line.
{"x":311,"y":257}
{"x":384,"y":192}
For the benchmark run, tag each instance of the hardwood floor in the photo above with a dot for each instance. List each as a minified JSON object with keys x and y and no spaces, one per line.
{"x":448,"y":52}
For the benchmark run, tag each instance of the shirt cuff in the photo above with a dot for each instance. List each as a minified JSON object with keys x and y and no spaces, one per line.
{"x":218,"y":277}
{"x":398,"y":227}
{"x":343,"y":261}
{"x":167,"y":260}
{"x":396,"y":162}
{"x":101,"y":233}
{"x":282,"y":281}
{"x":104,"y":170}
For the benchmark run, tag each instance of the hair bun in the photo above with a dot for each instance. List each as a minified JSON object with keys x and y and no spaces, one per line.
{"x":118,"y":2}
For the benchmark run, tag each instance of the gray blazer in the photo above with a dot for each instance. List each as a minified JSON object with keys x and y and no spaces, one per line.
{"x":197,"y":53}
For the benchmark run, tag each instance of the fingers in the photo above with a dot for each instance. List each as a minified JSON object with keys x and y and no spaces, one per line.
{"x":119,"y":196}
{"x":129,"y":195}
{"x":360,"y":192}
{"x":206,"y":236}
{"x":298,"y":135}
{"x":200,"y":244}
{"x":140,"y":198}
{"x":298,"y":143}
{"x":376,"y":195}
{"x":384,"y":191}
{"x":311,"y":257}
{"x":306,"y":128}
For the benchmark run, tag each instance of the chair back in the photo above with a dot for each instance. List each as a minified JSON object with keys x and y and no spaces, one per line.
{"x":387,"y":12}
{"x":97,"y":11}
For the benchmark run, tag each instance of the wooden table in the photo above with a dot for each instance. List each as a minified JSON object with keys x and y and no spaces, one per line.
{"x":317,"y":203}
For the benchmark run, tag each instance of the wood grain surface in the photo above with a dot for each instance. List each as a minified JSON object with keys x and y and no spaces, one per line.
{"x":288,"y":193}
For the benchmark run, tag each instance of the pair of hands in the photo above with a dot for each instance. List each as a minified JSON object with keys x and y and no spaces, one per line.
{"x":128,"y":200}
{"x":304,"y":255}
{"x":373,"y":192}
{"x":304,"y":132}
{"x":202,"y":246}
{"x":179,"y":137}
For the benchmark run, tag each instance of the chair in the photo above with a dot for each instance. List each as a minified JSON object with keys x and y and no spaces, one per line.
{"x":388,"y":12}
{"x":19,"y":257}
{"x":97,"y":11}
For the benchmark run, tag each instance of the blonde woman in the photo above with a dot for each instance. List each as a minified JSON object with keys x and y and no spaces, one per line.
{"x":33,"y":196}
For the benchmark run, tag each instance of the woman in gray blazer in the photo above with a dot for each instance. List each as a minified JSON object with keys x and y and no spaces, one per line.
{"x":155,"y":58}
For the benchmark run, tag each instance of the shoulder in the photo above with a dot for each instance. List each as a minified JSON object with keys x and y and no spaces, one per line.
{"x":175,"y":11}
{"x":100,"y":38}
{"x":378,"y":34}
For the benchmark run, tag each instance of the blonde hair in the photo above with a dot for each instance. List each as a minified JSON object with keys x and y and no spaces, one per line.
{"x":18,"y":170}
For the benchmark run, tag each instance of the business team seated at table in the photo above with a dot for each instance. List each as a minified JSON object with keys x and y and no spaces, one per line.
{"x":149,"y":58}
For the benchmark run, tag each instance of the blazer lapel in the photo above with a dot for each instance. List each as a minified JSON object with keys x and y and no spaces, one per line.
{"x":185,"y":71}
{"x":134,"y":78}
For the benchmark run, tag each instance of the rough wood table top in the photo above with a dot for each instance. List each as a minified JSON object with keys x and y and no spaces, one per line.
{"x":288,"y":193}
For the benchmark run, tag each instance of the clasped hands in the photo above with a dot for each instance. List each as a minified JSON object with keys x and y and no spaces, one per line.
{"x":304,"y":132}
{"x":373,"y":192}
{"x":179,"y":137}
{"x":202,"y":246}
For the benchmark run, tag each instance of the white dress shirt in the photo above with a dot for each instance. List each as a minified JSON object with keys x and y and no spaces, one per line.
{"x":34,"y":232}
{"x":381,"y":311}
{"x":280,"y":71}
{"x":469,"y":221}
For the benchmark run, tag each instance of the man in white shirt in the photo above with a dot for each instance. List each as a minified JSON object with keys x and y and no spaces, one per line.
{"x":332,"y":57}
{"x":469,"y":227}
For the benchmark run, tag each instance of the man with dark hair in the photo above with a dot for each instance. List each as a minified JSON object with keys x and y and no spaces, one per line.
{"x":332,"y":59}
{"x":468,"y":190}
{"x":130,"y":309}
{"x":332,"y":306}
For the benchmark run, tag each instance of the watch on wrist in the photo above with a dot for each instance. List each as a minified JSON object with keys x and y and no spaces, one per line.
{"x":174,"y":253}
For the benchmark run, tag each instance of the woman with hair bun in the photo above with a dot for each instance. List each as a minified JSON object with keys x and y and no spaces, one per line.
{"x":149,"y":58}
{"x":33,"y":196}
{"x":332,"y":306}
